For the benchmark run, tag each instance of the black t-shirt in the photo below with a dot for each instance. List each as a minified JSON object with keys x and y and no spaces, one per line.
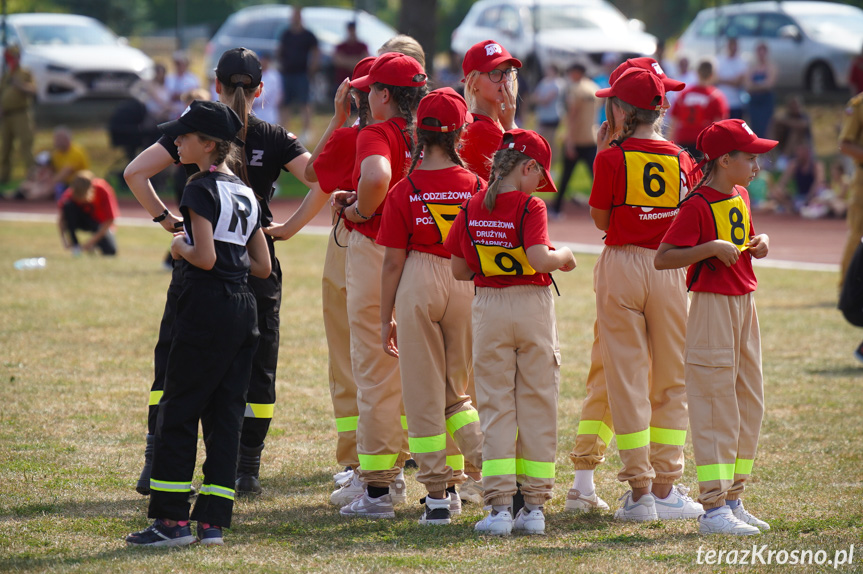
{"x":268,"y":149}
{"x":226,"y":202}
{"x":294,"y":48}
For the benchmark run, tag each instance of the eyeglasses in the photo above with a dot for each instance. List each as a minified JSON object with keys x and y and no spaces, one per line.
{"x":497,"y":76}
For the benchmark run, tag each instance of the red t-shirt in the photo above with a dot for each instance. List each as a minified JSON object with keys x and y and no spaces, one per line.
{"x":695,"y":109}
{"x":709,"y":215}
{"x":642,"y":190}
{"x":334,"y":165}
{"x":519,"y":221}
{"x":387,"y":139}
{"x":481,"y":139}
{"x":421,"y":221}
{"x":104,"y":205}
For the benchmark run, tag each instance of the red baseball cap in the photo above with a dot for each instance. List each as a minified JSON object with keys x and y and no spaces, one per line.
{"x":393,"y":69}
{"x":650,"y":65}
{"x":535,"y":147}
{"x":637,"y":87}
{"x":720,"y":138}
{"x":486,"y":56}
{"x":446,"y":106}
{"x":362,"y":69}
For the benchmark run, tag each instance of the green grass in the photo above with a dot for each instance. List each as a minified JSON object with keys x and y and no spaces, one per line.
{"x":76,"y":344}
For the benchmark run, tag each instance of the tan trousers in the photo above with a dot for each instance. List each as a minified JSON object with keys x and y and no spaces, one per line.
{"x":726,"y":394}
{"x":595,"y":427}
{"x":517,"y":370}
{"x":435,"y":359}
{"x":343,"y":390}
{"x":854,"y":220}
{"x":381,"y":442}
{"x":16,"y":126}
{"x":641,"y":314}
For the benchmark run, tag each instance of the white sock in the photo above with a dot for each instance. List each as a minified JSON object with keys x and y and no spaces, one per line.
{"x":584,"y":482}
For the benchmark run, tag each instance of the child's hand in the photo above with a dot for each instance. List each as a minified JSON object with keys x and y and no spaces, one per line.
{"x":389,"y":338}
{"x":726,"y":252}
{"x":758,"y":246}
{"x":177,"y":244}
{"x":603,"y":137}
{"x":277,"y":231}
{"x":342,"y":199}
{"x":570,"y":262}
{"x":507,"y":106}
{"x":170,"y":223}
{"x":342,"y":102}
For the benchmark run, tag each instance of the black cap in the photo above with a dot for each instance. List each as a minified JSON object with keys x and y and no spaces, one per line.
{"x":214,"y":119}
{"x":239,"y":61}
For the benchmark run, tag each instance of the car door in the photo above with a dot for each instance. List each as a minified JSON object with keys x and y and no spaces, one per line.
{"x":788,"y":54}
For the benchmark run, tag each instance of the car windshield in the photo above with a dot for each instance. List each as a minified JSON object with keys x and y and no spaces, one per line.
{"x":826,"y":24}
{"x":65,"y":35}
{"x":568,"y":16}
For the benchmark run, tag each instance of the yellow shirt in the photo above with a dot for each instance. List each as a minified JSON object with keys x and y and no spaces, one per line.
{"x":74,"y":157}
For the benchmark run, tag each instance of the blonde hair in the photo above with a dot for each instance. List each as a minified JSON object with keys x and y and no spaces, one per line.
{"x":632,"y":118}
{"x":406,"y":45}
{"x":504,"y":162}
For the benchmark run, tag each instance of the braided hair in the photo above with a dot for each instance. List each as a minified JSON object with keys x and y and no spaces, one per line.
{"x":504,"y":162}
{"x":448,"y":142}
{"x":632,"y":118}
{"x":225,"y":151}
{"x":364,"y":113}
{"x":407,"y":98}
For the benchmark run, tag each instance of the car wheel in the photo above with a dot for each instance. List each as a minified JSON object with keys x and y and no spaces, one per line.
{"x":819,"y":79}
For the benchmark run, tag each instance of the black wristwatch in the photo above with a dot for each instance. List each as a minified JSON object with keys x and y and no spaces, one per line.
{"x":161,"y":217}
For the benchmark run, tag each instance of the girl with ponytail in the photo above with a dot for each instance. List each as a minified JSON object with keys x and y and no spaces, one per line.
{"x":266,"y":150}
{"x":433,"y":345}
{"x":641,"y":312}
{"x":500,"y":240}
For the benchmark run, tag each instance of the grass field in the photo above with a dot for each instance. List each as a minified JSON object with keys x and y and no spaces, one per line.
{"x":76,"y":344}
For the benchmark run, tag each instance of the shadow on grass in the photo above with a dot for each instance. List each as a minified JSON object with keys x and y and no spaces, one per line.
{"x":846,"y":371}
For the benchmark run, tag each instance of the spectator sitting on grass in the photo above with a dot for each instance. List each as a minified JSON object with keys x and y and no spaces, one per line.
{"x":88,"y":205}
{"x":67,"y":158}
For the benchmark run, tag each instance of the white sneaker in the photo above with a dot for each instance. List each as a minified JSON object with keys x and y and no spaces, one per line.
{"x":471,"y":491}
{"x":348,"y":491}
{"x":370,"y":507}
{"x":454,"y":504}
{"x":529,"y":522}
{"x":496,"y":524}
{"x":343,"y":476}
{"x":677,"y":505}
{"x":398,"y":489}
{"x":578,"y":502}
{"x":743,"y":515}
{"x":641,"y":511}
{"x":723,"y":521}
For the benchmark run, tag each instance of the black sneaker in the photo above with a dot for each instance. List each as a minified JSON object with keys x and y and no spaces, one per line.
{"x":209,"y":535}
{"x":437,"y":513}
{"x":858,"y":354}
{"x":160,"y":534}
{"x":411,"y":463}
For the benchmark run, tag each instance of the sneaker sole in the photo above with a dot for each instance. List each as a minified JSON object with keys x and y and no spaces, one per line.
{"x":369,"y":514}
{"x":678,"y":516}
{"x":531,"y":531}
{"x":434,"y":521}
{"x":184,"y":541}
{"x":635,"y":518}
{"x":211,"y":542}
{"x":496,"y":532}
{"x":710,"y":532}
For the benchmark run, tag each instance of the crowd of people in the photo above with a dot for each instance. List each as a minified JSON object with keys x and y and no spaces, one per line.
{"x":437,"y":299}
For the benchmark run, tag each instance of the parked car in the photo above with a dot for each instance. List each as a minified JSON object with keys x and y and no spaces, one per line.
{"x":259,"y":28}
{"x":75,"y":57}
{"x":811,"y":43}
{"x":544,"y":32}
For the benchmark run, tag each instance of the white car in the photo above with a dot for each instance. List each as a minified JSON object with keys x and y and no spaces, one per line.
{"x":811,"y":43}
{"x":560,"y":32}
{"x":76,"y":57}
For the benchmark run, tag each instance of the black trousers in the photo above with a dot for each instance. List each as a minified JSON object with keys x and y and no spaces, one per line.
{"x":207,"y":377}
{"x":586,"y":154}
{"x":262,"y":384}
{"x":77,"y":219}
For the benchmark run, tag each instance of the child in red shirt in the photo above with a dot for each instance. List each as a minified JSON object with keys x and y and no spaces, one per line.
{"x":89,"y":205}
{"x":713,"y":235}
{"x":500,"y":240}
{"x":433,"y":309}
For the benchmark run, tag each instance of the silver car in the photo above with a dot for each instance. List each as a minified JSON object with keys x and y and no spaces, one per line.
{"x":811,"y":43}
{"x":75,"y":57}
{"x":560,"y":32}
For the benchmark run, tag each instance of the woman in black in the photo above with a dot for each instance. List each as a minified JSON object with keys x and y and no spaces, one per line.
{"x":267,"y":151}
